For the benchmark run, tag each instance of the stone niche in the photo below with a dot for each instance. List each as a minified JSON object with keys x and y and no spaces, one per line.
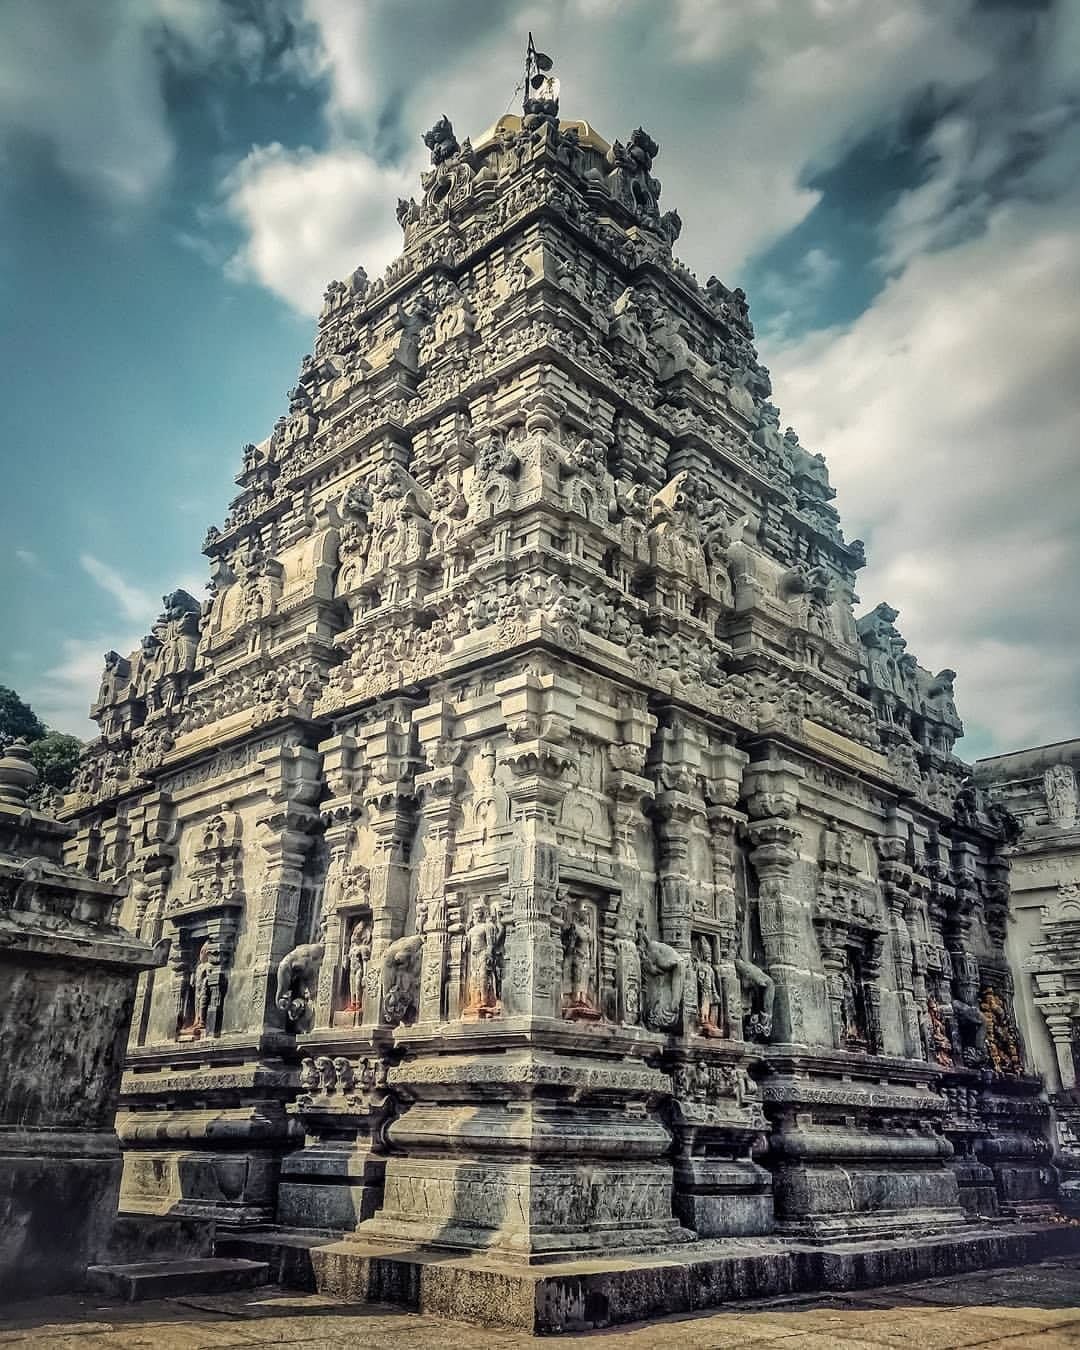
{"x":68,"y":976}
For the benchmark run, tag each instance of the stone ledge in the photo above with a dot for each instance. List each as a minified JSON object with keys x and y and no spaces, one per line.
{"x":583,"y":1295}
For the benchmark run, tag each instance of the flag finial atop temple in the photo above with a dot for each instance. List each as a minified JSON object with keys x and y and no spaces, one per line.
{"x":541,"y":87}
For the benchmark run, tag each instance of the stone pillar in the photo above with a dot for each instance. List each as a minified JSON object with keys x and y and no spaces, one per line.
{"x":152,"y":867}
{"x":771,"y":789}
{"x":1059,"y":1011}
{"x":534,"y":947}
{"x":293,"y":783}
{"x":895,"y":878}
{"x":390,"y":802}
{"x":724,"y":825}
{"x":344,"y":774}
{"x":438,"y":790}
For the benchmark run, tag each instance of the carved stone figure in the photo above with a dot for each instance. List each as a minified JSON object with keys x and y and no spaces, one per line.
{"x":664,"y":972}
{"x":483,"y":943}
{"x":710,"y":998}
{"x":441,"y":141}
{"x":297,"y":981}
{"x":626,"y":322}
{"x":401,"y":979}
{"x":969,"y":1023}
{"x":357,"y":957}
{"x":1062,"y":799}
{"x":195,"y":996}
{"x":853,"y":1031}
{"x":579,"y":963}
{"x":1002,"y":1040}
{"x":759,"y":990}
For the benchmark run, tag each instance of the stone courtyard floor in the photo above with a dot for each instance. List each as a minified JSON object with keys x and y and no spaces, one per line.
{"x":1037,"y":1306}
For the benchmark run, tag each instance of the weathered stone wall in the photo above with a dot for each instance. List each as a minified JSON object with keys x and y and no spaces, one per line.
{"x":1040,"y":787}
{"x":68,"y":975}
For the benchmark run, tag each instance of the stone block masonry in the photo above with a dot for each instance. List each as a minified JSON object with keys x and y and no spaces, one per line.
{"x":68,"y":977}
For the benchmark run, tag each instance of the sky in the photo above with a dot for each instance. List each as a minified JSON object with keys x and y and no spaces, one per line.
{"x":895,"y":183}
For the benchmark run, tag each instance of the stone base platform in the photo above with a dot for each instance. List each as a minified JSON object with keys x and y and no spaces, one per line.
{"x":582,"y":1295}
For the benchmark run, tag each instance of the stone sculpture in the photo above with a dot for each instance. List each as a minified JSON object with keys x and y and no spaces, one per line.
{"x":356,"y":962}
{"x":483,"y":942}
{"x":400,"y":979}
{"x":710,"y":998}
{"x":297,"y":976}
{"x":579,"y":963}
{"x":664,"y":973}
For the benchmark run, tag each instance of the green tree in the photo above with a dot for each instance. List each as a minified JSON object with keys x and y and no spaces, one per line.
{"x":55,"y":755}
{"x":18,"y":721}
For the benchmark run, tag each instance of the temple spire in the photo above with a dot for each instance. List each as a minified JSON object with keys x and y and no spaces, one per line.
{"x":541,"y":97}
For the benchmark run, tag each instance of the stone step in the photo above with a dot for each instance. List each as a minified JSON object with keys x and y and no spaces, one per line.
{"x":173,"y":1279}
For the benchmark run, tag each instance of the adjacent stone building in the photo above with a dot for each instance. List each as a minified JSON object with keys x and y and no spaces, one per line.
{"x":1040,"y":788}
{"x":552,"y":862}
{"x":68,"y":975}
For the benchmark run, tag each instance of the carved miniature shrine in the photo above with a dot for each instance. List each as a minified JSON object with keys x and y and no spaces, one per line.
{"x":552,"y":862}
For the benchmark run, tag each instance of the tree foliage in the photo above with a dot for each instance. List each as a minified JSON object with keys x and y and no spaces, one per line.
{"x":18,"y":721}
{"x":54,"y":756}
{"x":54,"y":753}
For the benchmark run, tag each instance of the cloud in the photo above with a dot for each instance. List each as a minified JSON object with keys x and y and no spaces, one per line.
{"x":948,"y":414}
{"x":62,"y":695}
{"x":768,"y":94}
{"x":87,"y":80}
{"x":312,"y":217}
{"x":135,"y":603}
{"x":1017,"y":135}
{"x":28,"y":558}
{"x":792,"y":297}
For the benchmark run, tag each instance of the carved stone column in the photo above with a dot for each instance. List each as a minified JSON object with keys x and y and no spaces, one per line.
{"x":286,"y":827}
{"x":534,"y":947}
{"x":724,"y":825}
{"x":895,"y":877}
{"x":438,"y":791}
{"x":1060,"y":1011}
{"x":153,"y":863}
{"x":390,"y":803}
{"x":771,"y":793}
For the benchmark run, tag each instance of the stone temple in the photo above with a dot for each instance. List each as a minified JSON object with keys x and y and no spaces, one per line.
{"x":553,"y":864}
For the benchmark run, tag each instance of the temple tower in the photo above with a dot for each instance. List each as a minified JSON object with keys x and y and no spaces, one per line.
{"x":552,"y":863}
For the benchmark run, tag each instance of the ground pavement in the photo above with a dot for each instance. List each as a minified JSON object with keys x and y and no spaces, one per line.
{"x":1016,"y":1308}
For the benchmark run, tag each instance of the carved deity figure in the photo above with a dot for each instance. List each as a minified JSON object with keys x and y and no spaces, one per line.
{"x":1002,"y":1039}
{"x":494,"y":456}
{"x":969,"y":1024}
{"x":571,"y":278}
{"x":579,"y":962}
{"x":664,"y":972}
{"x":297,"y":980}
{"x":195,"y":998}
{"x":852,"y":1011}
{"x":626,"y":321}
{"x":357,"y":956}
{"x":114,"y":679}
{"x":710,"y":999}
{"x":758,"y":989}
{"x":401,"y":979}
{"x":1062,"y":800}
{"x":441,"y":141}
{"x":936,"y":1035}
{"x":483,"y":943}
